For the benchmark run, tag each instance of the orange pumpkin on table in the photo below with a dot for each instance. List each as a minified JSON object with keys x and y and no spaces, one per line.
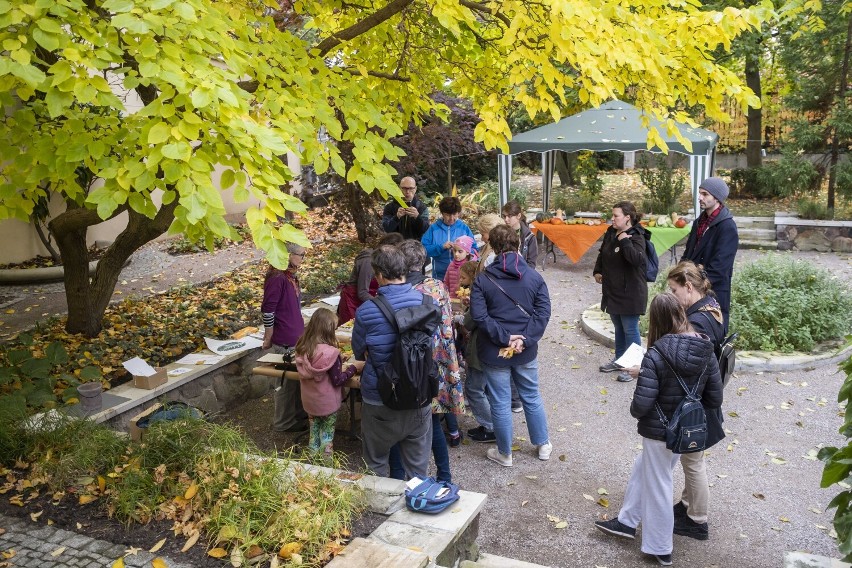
{"x":556,"y":221}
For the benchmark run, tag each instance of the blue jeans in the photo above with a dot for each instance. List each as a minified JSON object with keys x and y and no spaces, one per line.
{"x":626,"y":332}
{"x":440,"y":451}
{"x":477,"y":401}
{"x":525,"y":378}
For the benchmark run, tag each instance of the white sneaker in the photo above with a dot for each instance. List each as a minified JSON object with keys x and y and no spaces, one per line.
{"x":544,"y":451}
{"x":494,"y":455}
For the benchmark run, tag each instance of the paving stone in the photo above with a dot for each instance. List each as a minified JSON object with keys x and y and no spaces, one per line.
{"x":78,"y":541}
{"x":99,"y":546}
{"x":40,"y":533}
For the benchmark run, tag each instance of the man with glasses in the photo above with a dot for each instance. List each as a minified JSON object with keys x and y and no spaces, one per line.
{"x":410,"y":221}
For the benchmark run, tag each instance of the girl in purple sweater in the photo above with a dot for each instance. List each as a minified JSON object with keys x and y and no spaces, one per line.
{"x":320,"y":367}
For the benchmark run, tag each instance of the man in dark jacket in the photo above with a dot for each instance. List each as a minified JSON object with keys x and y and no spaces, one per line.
{"x":713,"y":241}
{"x":410,"y":221}
{"x":373,"y":341}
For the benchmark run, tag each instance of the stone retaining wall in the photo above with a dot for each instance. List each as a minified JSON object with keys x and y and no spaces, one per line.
{"x":792,"y":233}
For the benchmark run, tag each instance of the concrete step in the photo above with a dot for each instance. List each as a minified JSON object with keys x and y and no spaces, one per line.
{"x":751,"y":234}
{"x":363,"y":553}
{"x":805,"y":560}
{"x":758,"y":245}
{"x":755,"y":222}
{"x":492,"y":561}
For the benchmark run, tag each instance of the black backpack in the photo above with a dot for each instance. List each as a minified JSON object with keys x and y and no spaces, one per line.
{"x":410,"y":379}
{"x":652,"y":268}
{"x":686,"y":432}
{"x":726,"y":355}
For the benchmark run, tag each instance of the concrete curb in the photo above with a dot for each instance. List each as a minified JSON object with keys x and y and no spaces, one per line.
{"x":37,"y":275}
{"x":598,"y":327}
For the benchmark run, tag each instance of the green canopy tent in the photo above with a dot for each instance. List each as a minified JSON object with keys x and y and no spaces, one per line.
{"x":615,"y":125}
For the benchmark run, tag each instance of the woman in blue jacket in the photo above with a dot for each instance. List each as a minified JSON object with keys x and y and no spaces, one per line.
{"x":440,"y":235}
{"x":510,"y":304}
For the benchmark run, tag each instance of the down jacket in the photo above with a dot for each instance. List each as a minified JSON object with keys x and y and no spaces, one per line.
{"x":496,"y":315}
{"x":374,"y":337}
{"x":322,"y":380}
{"x":691,"y":355}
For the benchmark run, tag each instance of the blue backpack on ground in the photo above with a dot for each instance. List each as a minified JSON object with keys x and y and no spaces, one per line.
{"x":653,"y":266}
{"x":431,"y":496}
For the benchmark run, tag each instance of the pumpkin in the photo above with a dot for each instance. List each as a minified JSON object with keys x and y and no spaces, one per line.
{"x":556,"y":221}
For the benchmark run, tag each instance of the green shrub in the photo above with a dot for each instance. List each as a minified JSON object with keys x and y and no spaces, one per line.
{"x":838,"y":467}
{"x":488,"y":201}
{"x":791,"y":175}
{"x":810,"y":209}
{"x":779,"y":304}
{"x":587,"y":168}
{"x":663,"y":184}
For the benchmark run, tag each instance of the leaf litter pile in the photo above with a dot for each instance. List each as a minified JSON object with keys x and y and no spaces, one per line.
{"x":194,"y":491}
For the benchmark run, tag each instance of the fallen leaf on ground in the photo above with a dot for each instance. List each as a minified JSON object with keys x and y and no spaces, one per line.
{"x":118,"y":563}
{"x":159,"y":563}
{"x":589,"y":497}
{"x":190,"y":542}
{"x":35,"y":516}
{"x":290,"y":549}
{"x":191,"y":491}
{"x":157,"y":546}
{"x":58,"y":551}
{"x":561,"y":525}
{"x":524,"y":503}
{"x":217,"y":552}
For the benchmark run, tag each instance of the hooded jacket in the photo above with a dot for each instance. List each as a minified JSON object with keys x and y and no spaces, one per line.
{"x":691,"y":355}
{"x":622,"y":263}
{"x":529,"y":245}
{"x":322,"y":380}
{"x":434,"y":239}
{"x":716,"y":251}
{"x":497,"y":316}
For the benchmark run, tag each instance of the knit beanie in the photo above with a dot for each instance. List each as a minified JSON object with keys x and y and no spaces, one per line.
{"x":716,"y":187}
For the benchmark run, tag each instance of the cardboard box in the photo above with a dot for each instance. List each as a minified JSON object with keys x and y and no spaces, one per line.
{"x":152,"y":381}
{"x":134,"y":430}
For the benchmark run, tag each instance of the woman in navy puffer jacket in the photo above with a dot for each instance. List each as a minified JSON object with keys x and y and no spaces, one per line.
{"x":676,"y":348}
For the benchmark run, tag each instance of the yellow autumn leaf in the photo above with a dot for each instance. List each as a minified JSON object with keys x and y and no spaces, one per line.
{"x":86,"y":499}
{"x":217,"y":552}
{"x":101,"y":484}
{"x":191,"y":491}
{"x":159,"y":563}
{"x":157,"y":546}
{"x":290,"y":549}
{"x":190,"y":542}
{"x":118,"y":563}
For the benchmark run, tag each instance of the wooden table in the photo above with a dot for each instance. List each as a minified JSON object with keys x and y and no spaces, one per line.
{"x":573,"y":240}
{"x":353,"y":384}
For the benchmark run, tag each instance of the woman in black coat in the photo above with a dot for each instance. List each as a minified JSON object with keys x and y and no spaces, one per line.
{"x":621,"y":269}
{"x":692,"y":288}
{"x":674,"y":350}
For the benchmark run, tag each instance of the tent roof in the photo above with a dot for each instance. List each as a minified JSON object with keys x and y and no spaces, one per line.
{"x":615,"y":125}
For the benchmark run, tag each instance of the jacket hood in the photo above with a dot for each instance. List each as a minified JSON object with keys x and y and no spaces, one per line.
{"x":366,"y":253}
{"x":692,"y":353}
{"x":322,"y":360}
{"x":723,"y":215}
{"x":509,"y":265}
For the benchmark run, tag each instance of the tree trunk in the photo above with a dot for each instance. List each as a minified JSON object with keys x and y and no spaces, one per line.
{"x":835,"y":142}
{"x":755,"y":115}
{"x":564,"y":165}
{"x":88,"y":299}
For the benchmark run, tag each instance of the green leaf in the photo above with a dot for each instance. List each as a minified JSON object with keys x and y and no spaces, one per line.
{"x":37,"y":368}
{"x":159,"y":133}
{"x":119,"y":5}
{"x":18,"y":356}
{"x":149,"y":69}
{"x":90,"y":373}
{"x":227,"y":179}
{"x":29,"y":74}
{"x":47,"y":40}
{"x":177,"y":151}
{"x":49,"y":25}
{"x":201,"y":98}
{"x":56,"y":354}
{"x":131,"y":23}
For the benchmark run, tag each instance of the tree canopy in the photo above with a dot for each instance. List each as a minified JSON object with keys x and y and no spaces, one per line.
{"x":238,"y":83}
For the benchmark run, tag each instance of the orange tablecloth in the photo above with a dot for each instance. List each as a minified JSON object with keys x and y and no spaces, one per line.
{"x":573,"y":240}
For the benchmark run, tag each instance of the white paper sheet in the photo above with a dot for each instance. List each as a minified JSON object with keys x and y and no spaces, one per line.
{"x":632,"y":357}
{"x":199,"y":359}
{"x":230,"y":346}
{"x":178,"y":371}
{"x":271,"y":358}
{"x":331,"y":300}
{"x":139,"y":367}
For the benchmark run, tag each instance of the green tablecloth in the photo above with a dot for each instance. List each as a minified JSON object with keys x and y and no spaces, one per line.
{"x":665,"y":238}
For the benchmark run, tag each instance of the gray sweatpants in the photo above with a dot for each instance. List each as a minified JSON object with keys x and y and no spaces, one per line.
{"x":288,"y":402}
{"x":382,"y":427}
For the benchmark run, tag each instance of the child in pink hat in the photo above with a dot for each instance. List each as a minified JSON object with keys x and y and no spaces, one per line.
{"x":463,"y":252}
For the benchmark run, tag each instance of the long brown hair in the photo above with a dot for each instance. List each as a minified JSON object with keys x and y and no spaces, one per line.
{"x":666,"y":316}
{"x":320,"y":329}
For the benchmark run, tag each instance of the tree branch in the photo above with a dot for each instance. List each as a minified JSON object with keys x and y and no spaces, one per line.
{"x":363,"y":26}
{"x":482,"y":8}
{"x":390,"y":76}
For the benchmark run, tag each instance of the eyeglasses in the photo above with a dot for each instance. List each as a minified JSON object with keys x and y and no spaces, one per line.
{"x":407,"y":187}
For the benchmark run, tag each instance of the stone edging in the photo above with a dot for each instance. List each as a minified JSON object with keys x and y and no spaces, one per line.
{"x":598,"y":327}
{"x":37,"y":275}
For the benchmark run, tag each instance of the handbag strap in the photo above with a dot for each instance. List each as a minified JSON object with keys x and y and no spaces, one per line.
{"x":690,"y":394}
{"x":514,"y":301}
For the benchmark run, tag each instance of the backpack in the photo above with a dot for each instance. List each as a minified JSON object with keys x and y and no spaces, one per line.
{"x":431,"y":496}
{"x":652,"y":268}
{"x":726,"y":355}
{"x":409,"y":380}
{"x":686,"y":432}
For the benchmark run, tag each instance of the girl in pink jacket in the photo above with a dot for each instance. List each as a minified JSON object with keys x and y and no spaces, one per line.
{"x":320,"y":367}
{"x":463,"y":252}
